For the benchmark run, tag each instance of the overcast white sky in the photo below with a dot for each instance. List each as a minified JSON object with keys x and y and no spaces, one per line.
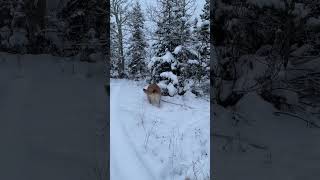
{"x":199,"y":4}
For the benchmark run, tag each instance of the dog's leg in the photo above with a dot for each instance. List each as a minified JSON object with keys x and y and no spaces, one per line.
{"x":149,"y":99}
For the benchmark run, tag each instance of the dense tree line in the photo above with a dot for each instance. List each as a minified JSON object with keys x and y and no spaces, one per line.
{"x":180,"y":53}
{"x":177,"y":59}
{"x":76,"y":27}
{"x":271,"y":48}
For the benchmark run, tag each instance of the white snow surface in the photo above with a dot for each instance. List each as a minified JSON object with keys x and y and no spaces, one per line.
{"x":151,"y":143}
{"x":252,"y":142}
{"x":50,"y":118}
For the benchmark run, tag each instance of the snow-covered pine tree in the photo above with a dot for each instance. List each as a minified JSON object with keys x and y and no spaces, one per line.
{"x":137,"y":52}
{"x":193,"y":55}
{"x":202,"y":46}
{"x":165,"y":28}
{"x":164,"y":70}
{"x":163,"y":65}
{"x":182,"y":14}
{"x":173,"y":28}
{"x":173,"y":66}
{"x":205,"y":35}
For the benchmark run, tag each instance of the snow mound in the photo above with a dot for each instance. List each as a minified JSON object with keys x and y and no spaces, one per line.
{"x":193,"y":61}
{"x":177,"y":49}
{"x":171,"y":76}
{"x":171,"y":89}
{"x":168,"y":57}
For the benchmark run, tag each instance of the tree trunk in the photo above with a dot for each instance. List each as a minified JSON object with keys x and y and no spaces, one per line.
{"x":121,"y":56}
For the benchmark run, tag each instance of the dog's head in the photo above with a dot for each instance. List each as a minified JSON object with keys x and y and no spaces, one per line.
{"x":145,"y":89}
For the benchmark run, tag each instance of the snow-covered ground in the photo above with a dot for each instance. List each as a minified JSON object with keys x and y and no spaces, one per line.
{"x":149,"y":143}
{"x":50,"y":119}
{"x":254,"y":142}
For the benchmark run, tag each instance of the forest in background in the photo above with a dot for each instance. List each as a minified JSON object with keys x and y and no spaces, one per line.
{"x":268,"y":47}
{"x":271,"y":48}
{"x":177,"y":56}
{"x":265,"y":81}
{"x":74,"y":27}
{"x":175,"y":53}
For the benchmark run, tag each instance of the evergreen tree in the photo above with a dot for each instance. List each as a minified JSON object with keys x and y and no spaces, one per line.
{"x":137,"y":52}
{"x":206,"y":11}
{"x":181,"y":21}
{"x":165,"y":28}
{"x":164,"y":71}
{"x":204,"y":37}
{"x":83,"y":15}
{"x":164,"y":66}
{"x":257,"y":42}
{"x":177,"y":62}
{"x":173,"y":28}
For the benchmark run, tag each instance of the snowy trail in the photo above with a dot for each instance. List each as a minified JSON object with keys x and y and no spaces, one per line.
{"x":121,"y":147}
{"x":293,"y":149}
{"x":151,"y":143}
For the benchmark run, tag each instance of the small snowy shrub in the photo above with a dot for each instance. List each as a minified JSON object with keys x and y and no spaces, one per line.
{"x":179,"y":72}
{"x":163,"y":70}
